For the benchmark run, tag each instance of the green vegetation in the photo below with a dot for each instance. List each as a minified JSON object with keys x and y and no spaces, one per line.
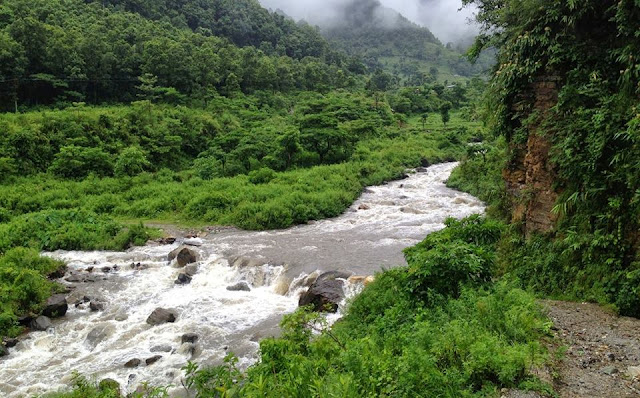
{"x":592,"y":254}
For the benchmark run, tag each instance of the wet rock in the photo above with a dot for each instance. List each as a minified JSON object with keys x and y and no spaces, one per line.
{"x":41,"y":323}
{"x":191,"y":269}
{"x":610,"y":356}
{"x":609,"y":370}
{"x":25,"y":321}
{"x":153,"y":359}
{"x":59,"y":273}
{"x":365,"y":280}
{"x":106,"y":270}
{"x":368,"y":190}
{"x":167,"y":241}
{"x":10,"y":343}
{"x":239,"y":287}
{"x":56,"y":306}
{"x":189,"y":338}
{"x":183,"y":256}
{"x":109,"y":385}
{"x":246,"y":262}
{"x":96,"y":306}
{"x":98,"y":334}
{"x":183,"y":279}
{"x":422,"y":170}
{"x":90,"y":269}
{"x":121,"y":315}
{"x":161,"y":348}
{"x":160,"y":316}
{"x":326,"y":292}
{"x":133,"y":363}
{"x":364,"y":207}
{"x":3,"y":351}
{"x":424,"y":162}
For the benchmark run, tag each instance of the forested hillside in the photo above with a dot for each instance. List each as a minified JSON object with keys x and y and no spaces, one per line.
{"x":65,"y":51}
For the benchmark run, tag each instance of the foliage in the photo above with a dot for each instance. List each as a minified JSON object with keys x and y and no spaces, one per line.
{"x":470,"y":342}
{"x":593,"y":253}
{"x":24,"y":286}
{"x":83,"y":388}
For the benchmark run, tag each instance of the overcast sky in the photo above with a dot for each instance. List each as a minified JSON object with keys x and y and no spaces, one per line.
{"x":440,"y":16}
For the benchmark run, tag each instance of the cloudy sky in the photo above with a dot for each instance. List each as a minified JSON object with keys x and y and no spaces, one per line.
{"x":440,"y":16}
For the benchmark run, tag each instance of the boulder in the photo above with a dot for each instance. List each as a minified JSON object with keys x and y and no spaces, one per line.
{"x":96,"y":306}
{"x":364,"y":207}
{"x":56,"y":306}
{"x":3,"y":351}
{"x":191,"y":269}
{"x":183,"y":279}
{"x":41,"y":323}
{"x":326,"y":292}
{"x":424,"y":162}
{"x":183,"y":256}
{"x":422,"y":170}
{"x":133,"y":363}
{"x":10,"y":343}
{"x":239,"y":287}
{"x":98,"y":334}
{"x":59,"y":273}
{"x":161,"y":348}
{"x":153,"y":359}
{"x":633,"y":372}
{"x":160,"y":316}
{"x":189,"y":338}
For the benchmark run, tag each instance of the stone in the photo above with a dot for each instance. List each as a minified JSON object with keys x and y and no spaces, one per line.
{"x":59,"y":273}
{"x":161,"y":348}
{"x":364,"y":207}
{"x":106,"y":270}
{"x":96,"y":306}
{"x":610,"y":356}
{"x":153,"y":359}
{"x":10,"y":343}
{"x":109,"y":385}
{"x":133,"y":363}
{"x":609,"y":370}
{"x":424,"y":162}
{"x":326,"y":292}
{"x":183,"y":279}
{"x":3,"y":351}
{"x":170,"y":240}
{"x":189,"y":338}
{"x":191,"y":269}
{"x":160,"y":316}
{"x":56,"y":306}
{"x":183,"y":256}
{"x":41,"y":323}
{"x":422,"y":170}
{"x":239,"y":287}
{"x":634,"y":372}
{"x":98,"y":334}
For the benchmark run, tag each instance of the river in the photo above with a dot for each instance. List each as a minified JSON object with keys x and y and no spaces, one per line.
{"x":368,"y":237}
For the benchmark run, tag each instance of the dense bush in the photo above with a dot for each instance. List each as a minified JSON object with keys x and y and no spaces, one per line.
{"x":24,"y":286}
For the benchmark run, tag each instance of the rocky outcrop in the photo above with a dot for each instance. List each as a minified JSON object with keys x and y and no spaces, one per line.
{"x":41,"y":323}
{"x":160,"y":316}
{"x":183,"y":256}
{"x":239,"y":287}
{"x":56,"y":306}
{"x":531,"y":175}
{"x":326,"y":292}
{"x":133,"y":363}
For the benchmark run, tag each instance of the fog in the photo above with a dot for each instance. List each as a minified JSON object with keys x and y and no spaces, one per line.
{"x":442,"y":17}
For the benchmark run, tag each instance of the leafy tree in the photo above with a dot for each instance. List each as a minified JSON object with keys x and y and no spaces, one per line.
{"x":444,"y":112}
{"x":131,"y":161}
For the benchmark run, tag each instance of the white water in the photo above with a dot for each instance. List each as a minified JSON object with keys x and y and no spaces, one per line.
{"x":362,"y":241}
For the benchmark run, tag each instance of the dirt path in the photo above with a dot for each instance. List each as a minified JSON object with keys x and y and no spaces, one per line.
{"x":602,"y":357}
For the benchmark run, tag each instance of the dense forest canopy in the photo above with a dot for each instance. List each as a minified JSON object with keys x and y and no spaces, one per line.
{"x":67,"y":50}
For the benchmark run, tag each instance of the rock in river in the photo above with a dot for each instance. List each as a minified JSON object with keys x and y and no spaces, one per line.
{"x":56,"y":306}
{"x":160,"y":316}
{"x":326,"y":292}
{"x":183,"y":256}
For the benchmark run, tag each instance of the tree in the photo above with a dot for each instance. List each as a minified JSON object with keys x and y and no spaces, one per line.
{"x":424,"y":118}
{"x":148,"y":88}
{"x":131,"y":161}
{"x":444,"y":112}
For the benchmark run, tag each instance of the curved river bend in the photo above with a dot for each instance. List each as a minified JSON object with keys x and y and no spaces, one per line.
{"x":366,"y":238}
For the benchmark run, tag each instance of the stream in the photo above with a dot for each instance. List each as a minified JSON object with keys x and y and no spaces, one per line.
{"x":368,"y":237}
